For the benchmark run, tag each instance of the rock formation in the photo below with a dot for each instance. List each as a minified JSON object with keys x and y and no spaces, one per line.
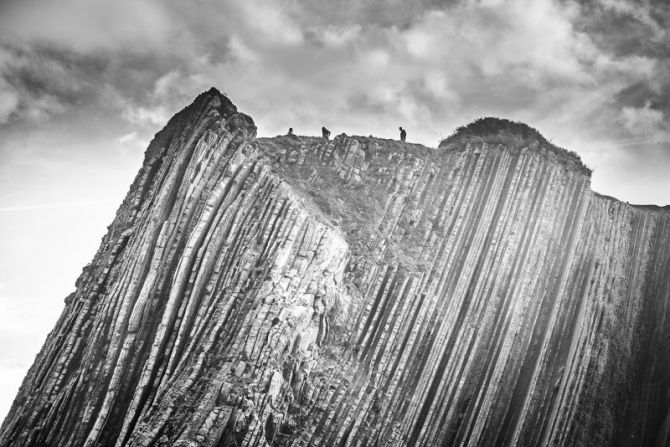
{"x":296,"y":291}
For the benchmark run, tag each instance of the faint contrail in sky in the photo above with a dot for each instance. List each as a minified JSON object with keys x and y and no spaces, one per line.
{"x":639,"y":141}
{"x":626,"y":142}
{"x":44,"y":206}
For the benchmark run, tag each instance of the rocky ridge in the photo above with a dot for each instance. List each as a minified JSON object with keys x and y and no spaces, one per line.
{"x":359,"y":291}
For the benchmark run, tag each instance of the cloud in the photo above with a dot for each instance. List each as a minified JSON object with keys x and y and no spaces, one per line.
{"x":640,"y":11}
{"x":133,"y":139}
{"x":147,"y":115}
{"x":87,"y":26}
{"x":642,"y":120}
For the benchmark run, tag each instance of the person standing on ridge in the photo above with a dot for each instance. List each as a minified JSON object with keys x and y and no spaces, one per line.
{"x":325,"y":133}
{"x":290,"y":132}
{"x":403,"y":134}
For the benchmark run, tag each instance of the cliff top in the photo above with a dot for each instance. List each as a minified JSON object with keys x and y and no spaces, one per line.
{"x":510,"y":133}
{"x":390,"y":145}
{"x":490,"y":130}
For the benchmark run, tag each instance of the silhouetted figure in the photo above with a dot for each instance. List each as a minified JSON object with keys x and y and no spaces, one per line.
{"x":290,"y":132}
{"x":325,"y":133}
{"x":403,"y":134}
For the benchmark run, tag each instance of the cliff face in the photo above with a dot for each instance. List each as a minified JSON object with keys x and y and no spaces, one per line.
{"x":298,"y":291}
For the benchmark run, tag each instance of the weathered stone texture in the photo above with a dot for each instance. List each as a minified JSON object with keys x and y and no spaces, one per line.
{"x":299,"y":291}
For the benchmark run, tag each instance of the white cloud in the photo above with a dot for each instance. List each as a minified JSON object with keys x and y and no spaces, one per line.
{"x":156,"y":115}
{"x":266,"y":23}
{"x":338,"y":36}
{"x":642,"y":120}
{"x":165,"y":83}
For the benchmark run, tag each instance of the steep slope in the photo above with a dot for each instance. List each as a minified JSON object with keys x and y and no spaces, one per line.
{"x":299,"y":291}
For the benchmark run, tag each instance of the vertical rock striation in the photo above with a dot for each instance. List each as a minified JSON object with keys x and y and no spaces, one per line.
{"x":297,"y":291}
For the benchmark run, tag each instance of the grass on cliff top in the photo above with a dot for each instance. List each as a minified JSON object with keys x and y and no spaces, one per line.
{"x":510,"y":133}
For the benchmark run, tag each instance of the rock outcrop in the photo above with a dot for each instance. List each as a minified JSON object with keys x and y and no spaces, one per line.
{"x":296,"y":291}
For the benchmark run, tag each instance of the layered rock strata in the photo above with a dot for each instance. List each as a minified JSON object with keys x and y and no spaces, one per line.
{"x":295,"y":291}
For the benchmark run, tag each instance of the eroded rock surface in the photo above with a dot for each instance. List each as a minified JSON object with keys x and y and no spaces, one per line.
{"x":298,"y":291}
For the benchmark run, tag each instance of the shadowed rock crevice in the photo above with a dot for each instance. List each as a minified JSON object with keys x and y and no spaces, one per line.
{"x":296,"y":291}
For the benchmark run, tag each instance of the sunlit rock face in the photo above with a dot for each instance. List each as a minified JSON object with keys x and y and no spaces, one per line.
{"x":296,"y":291}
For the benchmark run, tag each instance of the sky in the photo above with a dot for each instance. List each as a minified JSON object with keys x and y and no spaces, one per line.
{"x":85,"y":84}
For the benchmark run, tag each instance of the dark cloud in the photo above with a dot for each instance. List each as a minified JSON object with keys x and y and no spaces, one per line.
{"x":635,"y":28}
{"x":627,"y":26}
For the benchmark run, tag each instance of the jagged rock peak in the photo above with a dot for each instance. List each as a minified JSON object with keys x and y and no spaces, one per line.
{"x":220,"y":101}
{"x":208,"y":102}
{"x":209,"y":107}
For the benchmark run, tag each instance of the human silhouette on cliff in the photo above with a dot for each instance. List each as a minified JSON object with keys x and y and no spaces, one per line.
{"x":290,"y":132}
{"x":403,"y":134}
{"x":325,"y":133}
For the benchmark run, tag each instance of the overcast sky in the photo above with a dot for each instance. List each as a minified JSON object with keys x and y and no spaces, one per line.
{"x":84,"y":84}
